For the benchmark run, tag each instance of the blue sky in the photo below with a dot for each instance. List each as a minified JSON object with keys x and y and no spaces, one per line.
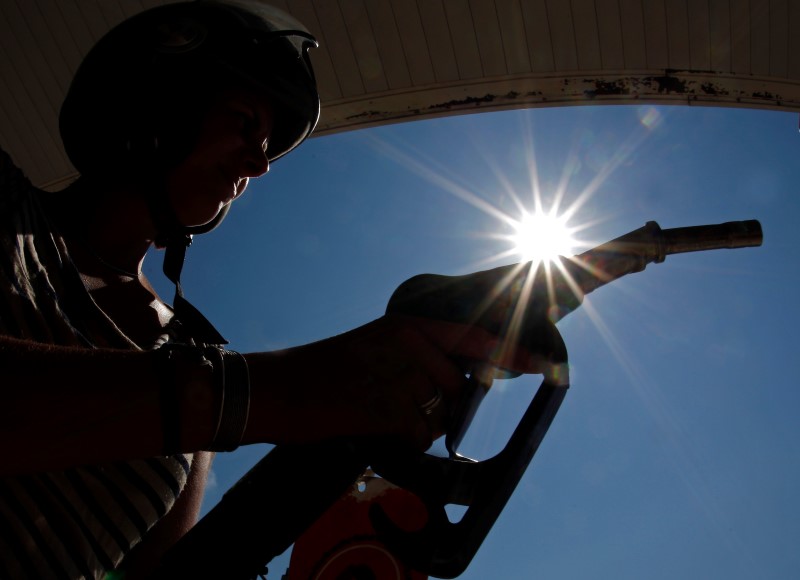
{"x":676,"y":453}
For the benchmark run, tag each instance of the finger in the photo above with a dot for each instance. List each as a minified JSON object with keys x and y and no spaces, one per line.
{"x":548,"y":344}
{"x":435,"y":412}
{"x":425,"y":430}
{"x":426,"y":362}
{"x":531,"y":351}
{"x":458,"y":340}
{"x":534,"y":352}
{"x":407,"y":402}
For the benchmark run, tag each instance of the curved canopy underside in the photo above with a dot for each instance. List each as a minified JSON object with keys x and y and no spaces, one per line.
{"x":385,"y":61}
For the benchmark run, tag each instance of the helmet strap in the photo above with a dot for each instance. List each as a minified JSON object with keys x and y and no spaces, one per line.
{"x":173,"y":237}
{"x":197,"y":325}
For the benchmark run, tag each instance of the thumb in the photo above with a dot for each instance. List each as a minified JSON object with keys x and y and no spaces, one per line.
{"x":534,"y":350}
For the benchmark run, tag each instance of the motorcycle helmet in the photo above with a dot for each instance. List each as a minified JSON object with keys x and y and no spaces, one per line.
{"x":135,"y":103}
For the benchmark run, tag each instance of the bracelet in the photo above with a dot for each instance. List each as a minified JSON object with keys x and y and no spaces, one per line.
{"x":233,"y":376}
{"x":231,"y":383}
{"x":168,"y":357}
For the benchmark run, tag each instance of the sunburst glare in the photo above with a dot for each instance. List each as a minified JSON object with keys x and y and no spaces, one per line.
{"x":542,"y":236}
{"x":538,"y":215}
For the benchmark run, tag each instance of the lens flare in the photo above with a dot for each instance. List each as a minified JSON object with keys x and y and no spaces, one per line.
{"x":542,"y":237}
{"x":540,"y":216}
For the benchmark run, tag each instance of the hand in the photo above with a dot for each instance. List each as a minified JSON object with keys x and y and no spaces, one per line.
{"x":371,"y":381}
{"x":536,"y":349}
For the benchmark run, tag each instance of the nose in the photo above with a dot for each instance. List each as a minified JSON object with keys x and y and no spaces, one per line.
{"x":257,"y":162}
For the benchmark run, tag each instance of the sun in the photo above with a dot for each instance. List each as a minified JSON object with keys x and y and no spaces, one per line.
{"x":542,"y":237}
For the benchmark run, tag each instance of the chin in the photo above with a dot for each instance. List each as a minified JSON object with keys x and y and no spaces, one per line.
{"x":201,"y":216}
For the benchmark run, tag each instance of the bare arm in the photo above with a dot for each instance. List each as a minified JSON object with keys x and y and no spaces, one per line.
{"x":64,"y":406}
{"x":370,"y":381}
{"x":145,"y":557}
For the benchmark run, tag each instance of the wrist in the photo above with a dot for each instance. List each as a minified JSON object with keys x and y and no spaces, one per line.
{"x":188,"y":397}
{"x":204,"y":396}
{"x":232,"y":387}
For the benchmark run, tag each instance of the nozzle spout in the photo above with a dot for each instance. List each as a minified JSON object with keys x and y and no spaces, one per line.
{"x":741,"y":234}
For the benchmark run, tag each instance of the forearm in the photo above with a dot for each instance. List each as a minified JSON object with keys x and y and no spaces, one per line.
{"x":367,"y":382}
{"x":63,"y":406}
{"x":66,"y":406}
{"x":290,"y":403}
{"x":143,"y":560}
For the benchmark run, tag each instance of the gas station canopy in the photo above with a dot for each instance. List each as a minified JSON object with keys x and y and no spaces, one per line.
{"x":387,"y":61}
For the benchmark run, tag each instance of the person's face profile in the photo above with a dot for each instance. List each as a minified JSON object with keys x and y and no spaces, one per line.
{"x":230,"y":150}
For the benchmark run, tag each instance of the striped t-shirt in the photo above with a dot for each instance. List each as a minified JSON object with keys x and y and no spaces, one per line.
{"x":77,"y":523}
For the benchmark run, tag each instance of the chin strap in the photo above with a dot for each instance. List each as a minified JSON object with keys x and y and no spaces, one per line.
{"x":198,"y":326}
{"x":175,"y":239}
